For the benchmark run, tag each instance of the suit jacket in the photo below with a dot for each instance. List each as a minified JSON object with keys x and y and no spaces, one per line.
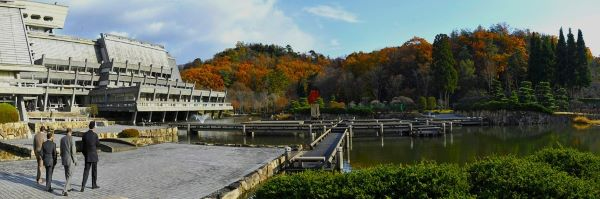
{"x":90,"y":144}
{"x":38,"y":140}
{"x":67,"y":150}
{"x":49,"y":153}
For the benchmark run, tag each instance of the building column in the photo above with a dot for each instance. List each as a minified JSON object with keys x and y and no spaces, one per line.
{"x":134,"y":117}
{"x":46,"y":90}
{"x":22,"y":109}
{"x":176,"y":114}
{"x":220,"y":114}
{"x":164,"y":115}
{"x":187,"y":115}
{"x":150,"y":117}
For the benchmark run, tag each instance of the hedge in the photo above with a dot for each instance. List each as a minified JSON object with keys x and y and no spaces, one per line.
{"x":8,"y":113}
{"x":549,"y":173}
{"x":497,"y":105}
{"x":129,"y":133}
{"x":418,"y":181}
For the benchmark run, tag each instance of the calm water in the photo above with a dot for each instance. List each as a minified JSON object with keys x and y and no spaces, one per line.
{"x":464,"y":144}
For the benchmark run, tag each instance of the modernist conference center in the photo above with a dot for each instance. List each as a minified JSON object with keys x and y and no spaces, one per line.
{"x":44,"y":72}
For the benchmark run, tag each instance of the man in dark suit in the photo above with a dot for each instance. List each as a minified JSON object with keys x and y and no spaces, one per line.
{"x":90,"y":143}
{"x":49,"y":157}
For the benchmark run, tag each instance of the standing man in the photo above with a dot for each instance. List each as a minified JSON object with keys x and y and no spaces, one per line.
{"x":49,"y":157}
{"x":90,"y":143}
{"x":38,"y":140}
{"x":67,"y":154}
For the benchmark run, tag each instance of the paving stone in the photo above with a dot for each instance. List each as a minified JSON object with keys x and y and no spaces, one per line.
{"x":158,"y":171}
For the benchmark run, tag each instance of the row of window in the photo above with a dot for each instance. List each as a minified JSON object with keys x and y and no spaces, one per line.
{"x":37,"y":17}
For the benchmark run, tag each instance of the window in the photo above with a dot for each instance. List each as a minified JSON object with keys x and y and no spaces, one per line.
{"x":25,"y":15}
{"x":48,"y":18}
{"x":35,"y":17}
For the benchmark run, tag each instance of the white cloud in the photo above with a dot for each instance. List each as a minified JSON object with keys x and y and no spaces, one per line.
{"x":336,"y":13}
{"x":190,"y":28}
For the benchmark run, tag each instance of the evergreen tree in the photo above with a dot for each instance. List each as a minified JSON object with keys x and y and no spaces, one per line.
{"x":514,"y":98}
{"x":561,"y":60}
{"x":444,"y":73}
{"x":562,"y":101}
{"x":526,"y":95}
{"x":517,"y":68}
{"x":535,"y":69}
{"x":571,"y":61}
{"x":547,"y":60}
{"x":497,"y":91}
{"x":544,"y":95}
{"x":583,"y":78}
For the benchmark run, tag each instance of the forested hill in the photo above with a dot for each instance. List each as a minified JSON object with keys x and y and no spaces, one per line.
{"x":464,"y":64}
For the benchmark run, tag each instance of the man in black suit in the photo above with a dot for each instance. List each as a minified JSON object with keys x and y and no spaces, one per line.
{"x":49,"y":156}
{"x":90,"y":143}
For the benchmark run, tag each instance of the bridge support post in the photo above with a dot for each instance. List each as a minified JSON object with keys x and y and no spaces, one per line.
{"x":450,"y":126}
{"x":310,"y":129}
{"x":444,"y":127}
{"x":427,"y":122}
{"x":381,"y":128}
{"x":340,"y":157}
{"x":324,"y":129}
{"x":244,"y":129}
{"x":410,"y":128}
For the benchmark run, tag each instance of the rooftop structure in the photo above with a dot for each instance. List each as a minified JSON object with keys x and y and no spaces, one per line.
{"x":42,"y":71}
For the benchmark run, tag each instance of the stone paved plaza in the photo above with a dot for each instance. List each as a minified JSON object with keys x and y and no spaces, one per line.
{"x":157,"y":171}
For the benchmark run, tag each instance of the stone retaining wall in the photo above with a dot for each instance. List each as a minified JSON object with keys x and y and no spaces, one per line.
{"x":503,"y":117}
{"x":249,"y":182}
{"x":17,"y":130}
{"x":64,"y":125}
{"x":150,"y":136}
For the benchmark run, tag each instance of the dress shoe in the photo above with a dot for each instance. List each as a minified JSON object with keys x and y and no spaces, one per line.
{"x":81,"y":189}
{"x":50,"y":190}
{"x":65,"y":194}
{"x":95,"y":187}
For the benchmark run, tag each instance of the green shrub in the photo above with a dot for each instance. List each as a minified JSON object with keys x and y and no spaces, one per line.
{"x":511,"y":177}
{"x":8,"y":113}
{"x":584,"y":165}
{"x":129,"y":133}
{"x":417,"y":181}
{"x":360,"y":110}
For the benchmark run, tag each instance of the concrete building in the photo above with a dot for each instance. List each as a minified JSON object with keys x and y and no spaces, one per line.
{"x":42,"y":71}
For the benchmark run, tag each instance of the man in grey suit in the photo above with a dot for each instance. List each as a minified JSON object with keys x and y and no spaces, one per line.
{"x":67,"y":154}
{"x":38,"y":140}
{"x":49,"y":156}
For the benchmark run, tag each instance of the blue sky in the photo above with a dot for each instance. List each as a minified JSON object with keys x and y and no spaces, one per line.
{"x":201,"y":28}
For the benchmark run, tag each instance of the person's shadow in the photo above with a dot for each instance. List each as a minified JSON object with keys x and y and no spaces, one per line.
{"x":29,"y":181}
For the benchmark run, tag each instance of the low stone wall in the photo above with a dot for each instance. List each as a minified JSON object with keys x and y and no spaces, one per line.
{"x":150,"y":136}
{"x":17,"y":151}
{"x":503,"y":117}
{"x":249,"y":182}
{"x":64,"y":125}
{"x":17,"y":130}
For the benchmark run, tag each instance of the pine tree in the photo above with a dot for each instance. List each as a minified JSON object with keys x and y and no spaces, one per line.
{"x":571,"y":61}
{"x":526,"y":95}
{"x":561,"y":99}
{"x":444,"y":73}
{"x":514,"y":98}
{"x":534,"y":71}
{"x":544,"y":95}
{"x":583,"y":78}
{"x":497,"y":91}
{"x":547,"y":60}
{"x":561,"y":60}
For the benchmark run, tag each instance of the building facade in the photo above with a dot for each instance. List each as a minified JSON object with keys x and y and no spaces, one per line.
{"x":42,"y":71}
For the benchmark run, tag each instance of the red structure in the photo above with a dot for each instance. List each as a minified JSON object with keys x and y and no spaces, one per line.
{"x":313,"y":96}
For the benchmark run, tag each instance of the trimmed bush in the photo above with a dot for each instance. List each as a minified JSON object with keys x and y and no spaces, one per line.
{"x":129,"y":133}
{"x":8,"y":113}
{"x":575,"y":163}
{"x":417,"y":181}
{"x":511,"y":177}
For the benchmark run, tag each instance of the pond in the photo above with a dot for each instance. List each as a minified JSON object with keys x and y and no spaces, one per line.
{"x":463,"y":145}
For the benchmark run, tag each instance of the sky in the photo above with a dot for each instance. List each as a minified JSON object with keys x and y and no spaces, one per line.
{"x":192,"y":29}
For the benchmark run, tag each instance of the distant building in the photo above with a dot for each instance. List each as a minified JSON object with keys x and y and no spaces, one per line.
{"x":42,"y":71}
